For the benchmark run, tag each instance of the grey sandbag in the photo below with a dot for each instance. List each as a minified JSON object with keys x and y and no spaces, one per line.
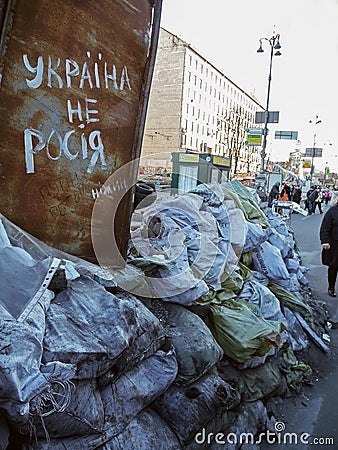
{"x":91,"y":328}
{"x":72,"y":408}
{"x":196,"y":348}
{"x":251,"y":419}
{"x":137,"y":388}
{"x":187,"y":409}
{"x":146,"y":432}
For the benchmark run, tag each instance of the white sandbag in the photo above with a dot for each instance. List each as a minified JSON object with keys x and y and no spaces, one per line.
{"x":137,"y":388}
{"x":187,"y":409}
{"x":268,"y":304}
{"x":90,"y":328}
{"x":268,"y":259}
{"x":256,"y":234}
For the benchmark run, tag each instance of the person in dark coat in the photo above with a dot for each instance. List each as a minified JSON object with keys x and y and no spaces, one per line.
{"x":297,"y":194}
{"x":311,"y":197}
{"x":274,"y":193}
{"x":329,"y":239}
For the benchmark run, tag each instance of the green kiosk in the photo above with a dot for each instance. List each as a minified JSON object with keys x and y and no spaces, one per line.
{"x":191,"y":169}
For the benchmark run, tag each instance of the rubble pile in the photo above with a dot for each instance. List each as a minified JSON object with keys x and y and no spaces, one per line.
{"x":190,"y":339}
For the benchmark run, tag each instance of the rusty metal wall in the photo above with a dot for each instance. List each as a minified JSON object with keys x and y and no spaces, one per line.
{"x":74,"y":88}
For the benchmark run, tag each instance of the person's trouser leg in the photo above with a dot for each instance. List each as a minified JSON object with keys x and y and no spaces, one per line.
{"x":332,"y":277}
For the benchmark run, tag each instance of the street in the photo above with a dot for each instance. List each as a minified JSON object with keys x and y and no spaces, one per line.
{"x":315,"y":411}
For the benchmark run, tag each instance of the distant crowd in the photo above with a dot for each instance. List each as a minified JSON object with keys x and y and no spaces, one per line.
{"x":313,"y":200}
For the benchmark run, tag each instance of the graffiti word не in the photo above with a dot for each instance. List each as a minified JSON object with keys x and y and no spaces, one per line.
{"x":35,"y":142}
{"x":78,"y":111}
{"x":108,"y":189}
{"x":79,"y":74}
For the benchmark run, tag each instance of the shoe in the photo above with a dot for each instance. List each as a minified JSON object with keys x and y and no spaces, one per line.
{"x":332,"y":293}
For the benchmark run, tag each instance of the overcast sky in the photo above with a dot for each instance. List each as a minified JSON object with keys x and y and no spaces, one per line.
{"x":304,"y":79}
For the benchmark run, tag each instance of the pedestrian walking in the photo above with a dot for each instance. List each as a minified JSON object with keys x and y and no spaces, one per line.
{"x":311,"y":196}
{"x":297,"y":194}
{"x":329,"y":239}
{"x":274,"y":193}
{"x":326,"y":196}
{"x":318,"y":201}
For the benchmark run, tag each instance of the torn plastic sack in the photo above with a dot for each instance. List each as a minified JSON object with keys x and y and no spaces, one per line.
{"x":195,"y":347}
{"x":267,"y":259}
{"x":187,"y":409}
{"x":240,"y":332}
{"x":146,"y":432}
{"x":124,"y":398}
{"x":91,"y":328}
{"x":296,"y":372}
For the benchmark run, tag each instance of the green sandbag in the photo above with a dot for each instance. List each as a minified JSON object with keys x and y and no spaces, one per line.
{"x":293,"y":300}
{"x":241,"y":332}
{"x":251,"y":209}
{"x":234,"y":282}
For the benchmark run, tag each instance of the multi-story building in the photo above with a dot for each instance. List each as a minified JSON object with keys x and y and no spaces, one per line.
{"x":194,"y":106}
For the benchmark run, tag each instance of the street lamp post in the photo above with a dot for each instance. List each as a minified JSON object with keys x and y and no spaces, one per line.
{"x":274,"y":45}
{"x":315,"y":122}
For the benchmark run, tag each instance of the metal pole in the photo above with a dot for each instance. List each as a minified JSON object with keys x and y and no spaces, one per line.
{"x":312,"y":157}
{"x":266,"y":116}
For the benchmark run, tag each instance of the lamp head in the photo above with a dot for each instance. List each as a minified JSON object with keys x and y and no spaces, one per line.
{"x":277,"y":53}
{"x":260,"y":50}
{"x":277,"y":45}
